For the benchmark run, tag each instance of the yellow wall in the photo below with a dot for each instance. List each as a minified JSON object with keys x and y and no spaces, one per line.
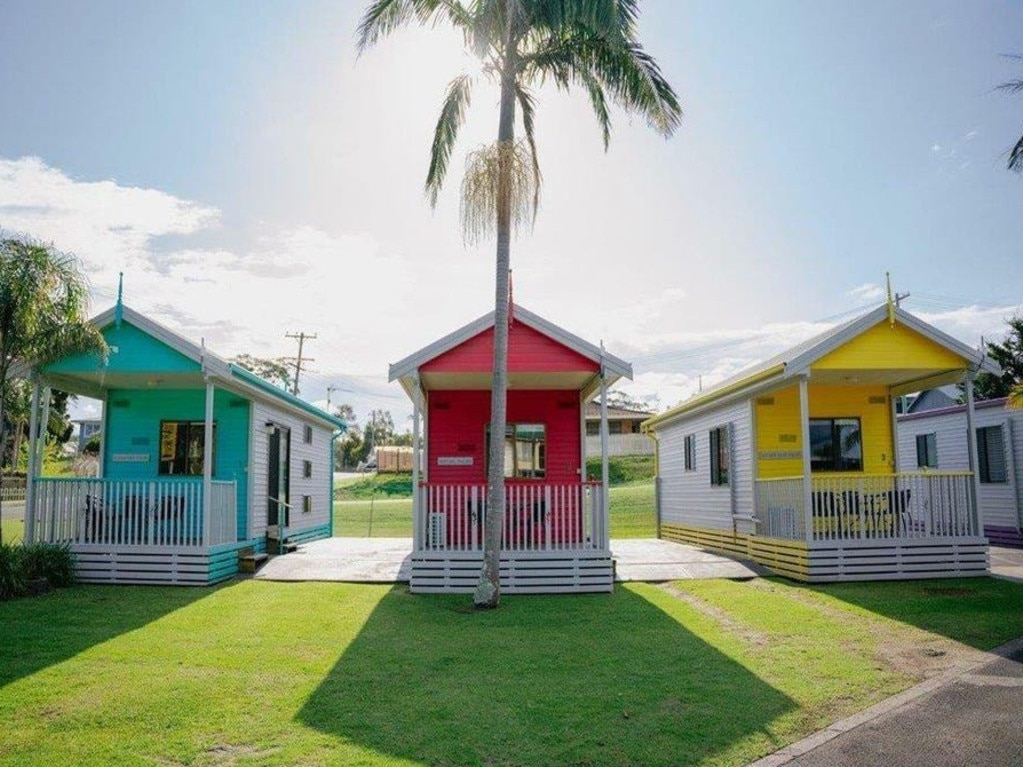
{"x":884,"y":346}
{"x":780,"y":434}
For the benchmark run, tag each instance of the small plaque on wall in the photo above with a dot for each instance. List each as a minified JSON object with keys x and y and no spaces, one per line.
{"x":454,"y":460}
{"x":779,"y":455}
{"x":130,"y":458}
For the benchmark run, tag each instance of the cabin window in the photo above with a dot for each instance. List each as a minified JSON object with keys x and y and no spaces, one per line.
{"x":307,"y":469}
{"x":181,"y":447}
{"x":525,"y":450}
{"x":307,"y":435}
{"x":836,"y":444}
{"x":689,"y":448}
{"x":719,"y":454}
{"x":926,"y":451}
{"x":307,"y":504}
{"x":991,"y":455}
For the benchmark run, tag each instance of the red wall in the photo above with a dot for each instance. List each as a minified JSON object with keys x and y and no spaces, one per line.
{"x":457,"y":423}
{"x":529,"y":351}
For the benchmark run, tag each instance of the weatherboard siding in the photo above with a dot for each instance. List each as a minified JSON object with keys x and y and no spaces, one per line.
{"x":687,"y":497}
{"x":131,"y":351}
{"x":894,"y":347}
{"x":1001,"y":504}
{"x":457,"y":423}
{"x":529,"y":351}
{"x":317,"y":486}
{"x":133,"y":433}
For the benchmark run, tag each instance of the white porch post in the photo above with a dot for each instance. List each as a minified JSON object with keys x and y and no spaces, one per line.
{"x":30,"y":489}
{"x":416,"y":522}
{"x":971,"y":441}
{"x":804,"y":422}
{"x":207,"y":465}
{"x":605,"y":500}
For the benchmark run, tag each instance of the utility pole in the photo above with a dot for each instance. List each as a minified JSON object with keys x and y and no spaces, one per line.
{"x":301,"y":336}
{"x":330,"y":390}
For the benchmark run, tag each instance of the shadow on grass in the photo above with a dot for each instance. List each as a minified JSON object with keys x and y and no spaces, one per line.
{"x":580,"y":680}
{"x":42,"y":631}
{"x":979,"y":612}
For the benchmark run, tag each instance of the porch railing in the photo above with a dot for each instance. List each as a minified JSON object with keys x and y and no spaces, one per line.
{"x":538,"y":517}
{"x":918,"y":505}
{"x":112,"y":512}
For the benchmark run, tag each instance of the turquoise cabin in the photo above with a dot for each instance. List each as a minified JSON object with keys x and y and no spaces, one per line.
{"x":200,"y":462}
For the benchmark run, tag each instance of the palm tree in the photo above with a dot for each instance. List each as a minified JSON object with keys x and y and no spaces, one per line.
{"x":42,"y":311}
{"x":1016,"y":153}
{"x":591,"y":44}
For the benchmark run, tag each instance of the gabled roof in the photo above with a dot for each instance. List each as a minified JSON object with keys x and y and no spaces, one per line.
{"x":592,"y":411}
{"x":797,"y":360}
{"x":407,"y":369}
{"x":212,"y":364}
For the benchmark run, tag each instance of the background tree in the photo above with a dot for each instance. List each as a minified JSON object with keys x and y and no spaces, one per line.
{"x":620,"y":399}
{"x":591,"y":44}
{"x":379,"y":429}
{"x":1009,"y":356}
{"x":350,"y":448}
{"x":43,"y":310}
{"x":1015,"y":161}
{"x":276,"y":371}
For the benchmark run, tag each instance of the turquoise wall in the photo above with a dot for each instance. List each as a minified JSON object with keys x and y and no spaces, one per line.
{"x":133,"y":427}
{"x":136,"y":352}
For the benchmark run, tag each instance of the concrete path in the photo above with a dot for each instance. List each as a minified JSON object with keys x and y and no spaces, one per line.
{"x":967,"y":717}
{"x":1007,"y":563}
{"x":648,"y":559}
{"x":387,"y":560}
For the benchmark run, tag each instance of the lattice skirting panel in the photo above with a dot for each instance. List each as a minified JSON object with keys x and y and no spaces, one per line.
{"x":521,"y":572}
{"x":826,"y":561}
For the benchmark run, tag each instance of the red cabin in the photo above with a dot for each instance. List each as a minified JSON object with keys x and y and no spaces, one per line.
{"x":555,"y":534}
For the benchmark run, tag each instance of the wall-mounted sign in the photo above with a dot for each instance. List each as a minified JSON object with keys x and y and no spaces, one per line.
{"x":454,"y":460}
{"x":779,"y":455}
{"x":130,"y":458}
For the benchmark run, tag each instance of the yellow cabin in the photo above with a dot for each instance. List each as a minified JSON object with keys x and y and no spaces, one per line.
{"x":793,"y":463}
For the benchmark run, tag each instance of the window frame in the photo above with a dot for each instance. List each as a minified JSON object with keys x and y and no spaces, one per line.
{"x":689,"y":452}
{"x":928,"y":457}
{"x":538,"y":474}
{"x":984,"y":455}
{"x":307,"y":434}
{"x":836,"y":456}
{"x":307,"y":469}
{"x":720,"y":456}
{"x":192,"y":426}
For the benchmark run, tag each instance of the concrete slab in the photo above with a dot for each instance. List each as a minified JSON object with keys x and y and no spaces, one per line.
{"x":388,"y":560}
{"x":648,"y":559}
{"x":352,"y":560}
{"x":1007,"y":563}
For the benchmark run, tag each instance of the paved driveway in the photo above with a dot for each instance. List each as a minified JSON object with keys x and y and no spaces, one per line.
{"x":387,"y":560}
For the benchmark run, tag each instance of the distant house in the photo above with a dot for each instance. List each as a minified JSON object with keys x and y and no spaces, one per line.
{"x":932,"y":399}
{"x":624,"y":434}
{"x":793,"y":462}
{"x":933,"y":440}
{"x":199,"y":460}
{"x":87,"y":428}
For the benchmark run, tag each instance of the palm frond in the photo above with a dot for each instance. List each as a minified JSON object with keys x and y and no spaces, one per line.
{"x":1016,"y":157}
{"x":1013,"y":86}
{"x":452,"y":116}
{"x":527,"y":103}
{"x":385,"y":16}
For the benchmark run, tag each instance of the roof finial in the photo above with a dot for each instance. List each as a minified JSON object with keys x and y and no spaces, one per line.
{"x":891,"y":301}
{"x":119,"y":309}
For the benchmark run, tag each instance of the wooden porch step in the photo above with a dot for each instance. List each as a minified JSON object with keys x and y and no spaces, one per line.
{"x":288,"y":547}
{"x":249,"y":563}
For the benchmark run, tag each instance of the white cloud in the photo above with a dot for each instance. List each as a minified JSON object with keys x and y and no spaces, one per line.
{"x":868,"y":291}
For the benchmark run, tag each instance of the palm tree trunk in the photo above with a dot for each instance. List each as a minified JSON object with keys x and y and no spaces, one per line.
{"x":488,"y":589}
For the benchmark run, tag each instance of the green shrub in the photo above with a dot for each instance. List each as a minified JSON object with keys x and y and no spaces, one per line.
{"x":21,"y":565}
{"x":13,"y":582}
{"x":53,"y":561}
{"x":622,"y":469}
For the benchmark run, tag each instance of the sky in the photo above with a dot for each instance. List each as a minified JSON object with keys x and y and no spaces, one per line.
{"x":252,"y":175}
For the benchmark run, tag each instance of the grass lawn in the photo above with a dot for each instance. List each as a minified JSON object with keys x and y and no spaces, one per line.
{"x":632,"y":515}
{"x":260,"y":673}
